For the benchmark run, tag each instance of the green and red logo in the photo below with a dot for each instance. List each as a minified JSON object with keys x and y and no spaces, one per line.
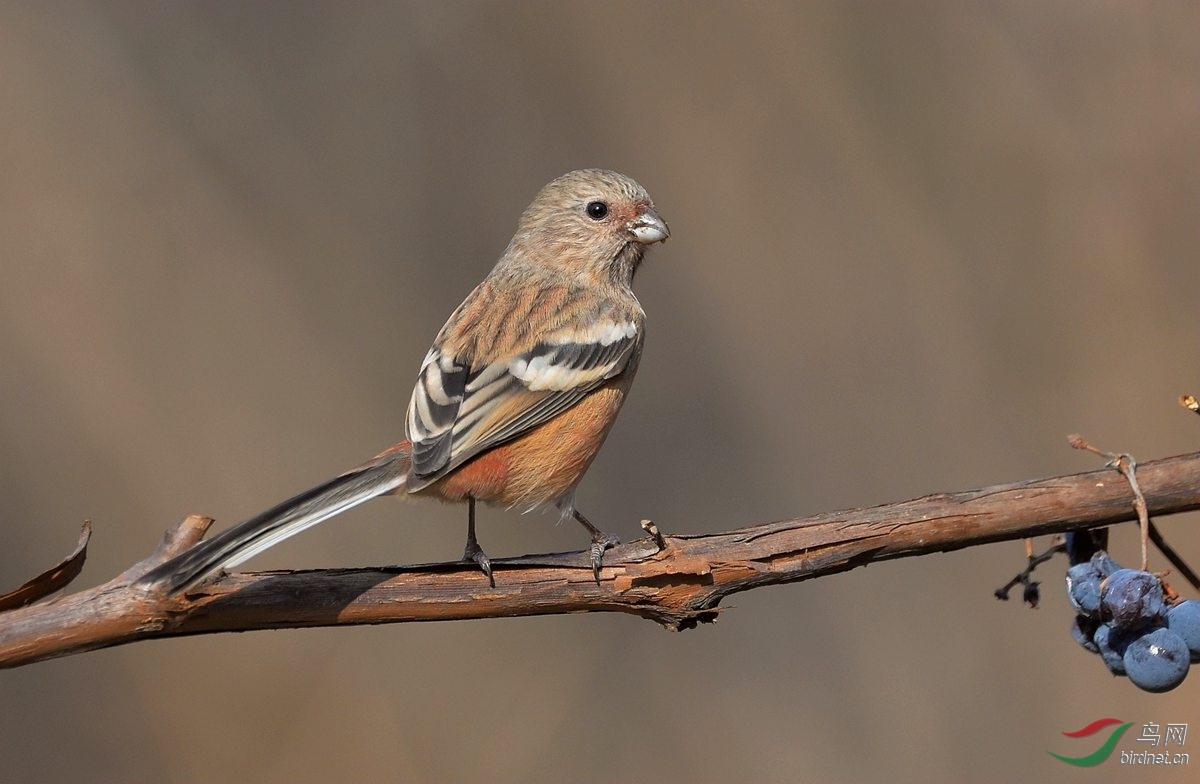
{"x":1106,"y":748}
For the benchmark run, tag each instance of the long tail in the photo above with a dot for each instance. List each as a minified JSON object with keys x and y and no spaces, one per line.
{"x":387,"y":473}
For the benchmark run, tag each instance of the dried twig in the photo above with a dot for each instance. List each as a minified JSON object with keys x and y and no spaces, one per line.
{"x":53,"y":579}
{"x":1030,"y":593}
{"x":1174,"y":557}
{"x":1124,"y":463}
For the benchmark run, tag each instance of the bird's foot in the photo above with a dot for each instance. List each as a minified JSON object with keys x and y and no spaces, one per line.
{"x":475,"y":554}
{"x":600,"y":542}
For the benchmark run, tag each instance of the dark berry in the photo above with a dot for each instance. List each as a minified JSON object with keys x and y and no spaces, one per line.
{"x":1082,"y":630}
{"x":1111,"y":646}
{"x":1157,"y":661}
{"x":1184,"y":620}
{"x":1083,"y":589}
{"x":1131,"y":599}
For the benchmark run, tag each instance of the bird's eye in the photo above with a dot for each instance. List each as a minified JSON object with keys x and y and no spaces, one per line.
{"x":597,"y":210}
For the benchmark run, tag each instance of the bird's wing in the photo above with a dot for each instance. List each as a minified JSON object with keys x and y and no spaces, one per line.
{"x":460,"y":408}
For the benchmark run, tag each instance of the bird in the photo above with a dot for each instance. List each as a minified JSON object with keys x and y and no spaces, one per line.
{"x":518,"y":391}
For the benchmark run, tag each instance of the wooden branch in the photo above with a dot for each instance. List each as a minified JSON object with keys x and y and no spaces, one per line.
{"x":677,"y":581}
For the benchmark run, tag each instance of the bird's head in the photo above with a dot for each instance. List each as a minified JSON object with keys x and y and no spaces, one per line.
{"x":590,"y":221}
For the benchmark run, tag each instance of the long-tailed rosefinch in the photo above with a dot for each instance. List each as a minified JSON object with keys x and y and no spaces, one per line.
{"x":521,"y":385}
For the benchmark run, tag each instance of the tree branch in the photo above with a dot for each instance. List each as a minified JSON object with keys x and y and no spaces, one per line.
{"x":678,"y":581}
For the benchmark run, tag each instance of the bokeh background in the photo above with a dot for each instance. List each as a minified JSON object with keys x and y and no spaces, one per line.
{"x":915,"y":245}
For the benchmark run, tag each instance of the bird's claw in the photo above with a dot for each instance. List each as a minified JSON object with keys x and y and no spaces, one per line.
{"x":474,"y":553}
{"x":600,"y":542}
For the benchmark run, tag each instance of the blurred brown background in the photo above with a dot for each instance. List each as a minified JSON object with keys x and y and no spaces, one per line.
{"x":915,"y":245}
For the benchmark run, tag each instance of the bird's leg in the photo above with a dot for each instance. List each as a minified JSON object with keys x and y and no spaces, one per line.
{"x":600,"y":542}
{"x":473,"y":551}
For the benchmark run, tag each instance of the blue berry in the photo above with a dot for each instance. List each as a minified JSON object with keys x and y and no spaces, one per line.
{"x":1082,"y":630}
{"x":1083,"y":583}
{"x":1157,"y":661}
{"x":1111,"y":646}
{"x":1184,"y":620}
{"x":1131,"y":599}
{"x":1083,"y":589}
{"x":1103,"y":564}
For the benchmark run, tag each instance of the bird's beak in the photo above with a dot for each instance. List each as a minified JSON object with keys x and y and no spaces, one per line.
{"x":648,"y":228}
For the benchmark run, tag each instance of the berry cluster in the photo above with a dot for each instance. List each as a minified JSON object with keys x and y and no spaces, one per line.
{"x":1123,"y":616}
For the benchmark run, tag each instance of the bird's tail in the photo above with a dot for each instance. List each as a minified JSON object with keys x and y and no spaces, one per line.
{"x":387,"y":473}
